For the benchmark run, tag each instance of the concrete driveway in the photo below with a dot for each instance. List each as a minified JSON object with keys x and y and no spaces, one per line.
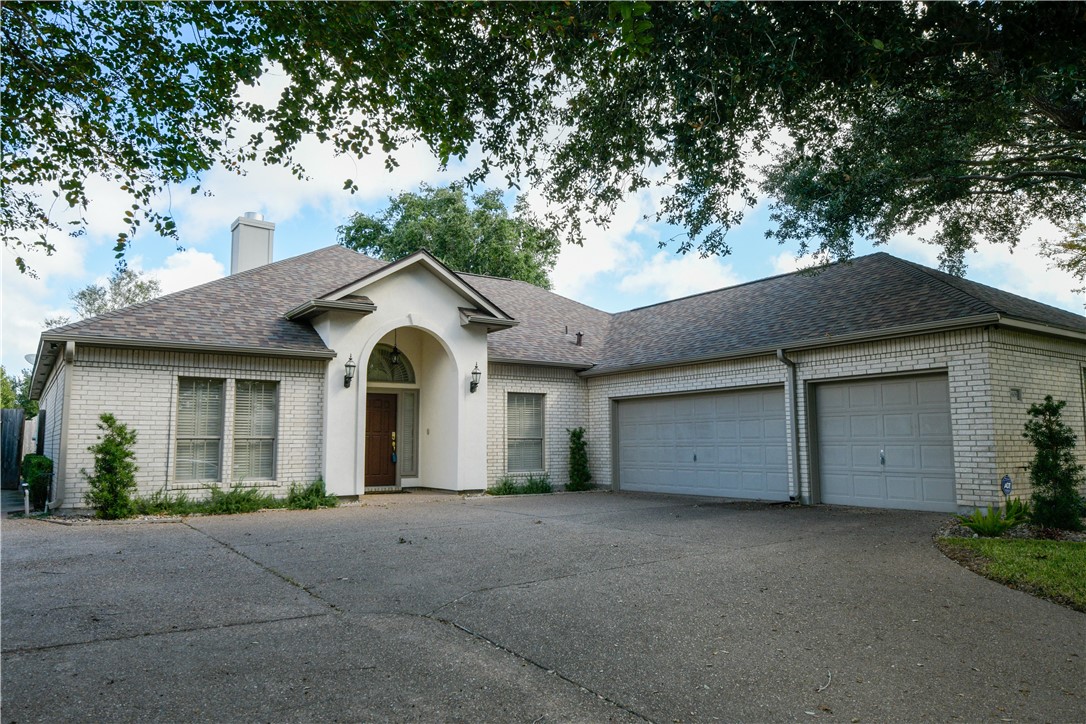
{"x":579,"y":607}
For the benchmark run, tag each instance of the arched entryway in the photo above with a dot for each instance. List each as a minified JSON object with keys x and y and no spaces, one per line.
{"x":410,"y":419}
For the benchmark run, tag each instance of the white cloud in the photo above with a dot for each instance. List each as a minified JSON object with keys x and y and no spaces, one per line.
{"x":669,"y":276}
{"x":606,"y":250}
{"x":787,"y":262}
{"x":185,"y":269}
{"x":1021,"y":270}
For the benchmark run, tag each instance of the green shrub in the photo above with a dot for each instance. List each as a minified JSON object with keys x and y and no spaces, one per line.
{"x":989,"y":524}
{"x":237,"y":500}
{"x":505,"y":486}
{"x":579,"y":476}
{"x":536,"y":485}
{"x":114,"y":478}
{"x":160,"y":503}
{"x":38,"y":473}
{"x":1017,"y":511}
{"x":310,"y":497}
{"x":531,"y":485}
{"x":1054,"y":472}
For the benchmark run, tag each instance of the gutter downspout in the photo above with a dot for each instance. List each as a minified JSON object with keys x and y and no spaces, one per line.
{"x":793,"y":422}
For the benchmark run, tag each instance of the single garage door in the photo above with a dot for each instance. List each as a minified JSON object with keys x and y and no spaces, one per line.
{"x":886,"y":443}
{"x":728,"y":444}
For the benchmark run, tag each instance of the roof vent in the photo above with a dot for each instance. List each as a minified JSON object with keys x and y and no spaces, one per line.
{"x":250,"y":242}
{"x":580,"y":336}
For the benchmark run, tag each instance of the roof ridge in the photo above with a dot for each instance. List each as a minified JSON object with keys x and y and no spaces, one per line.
{"x":937,"y":276}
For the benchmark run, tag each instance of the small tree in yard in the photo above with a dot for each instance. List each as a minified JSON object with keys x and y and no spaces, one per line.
{"x":1055,"y":473}
{"x":578,"y":461}
{"x":114,"y":476}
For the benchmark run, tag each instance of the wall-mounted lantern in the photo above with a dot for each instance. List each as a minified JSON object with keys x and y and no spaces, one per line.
{"x":348,"y":371}
{"x":476,"y":377}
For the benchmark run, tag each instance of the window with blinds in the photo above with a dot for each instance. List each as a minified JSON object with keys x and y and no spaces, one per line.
{"x":199,"y":429}
{"x":256,"y":406}
{"x":524,"y":432}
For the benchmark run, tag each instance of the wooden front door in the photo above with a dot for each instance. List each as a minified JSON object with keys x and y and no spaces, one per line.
{"x":380,"y":440}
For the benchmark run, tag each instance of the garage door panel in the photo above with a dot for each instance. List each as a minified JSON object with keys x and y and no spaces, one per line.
{"x":753,"y":482}
{"x":777,"y":484}
{"x":833,"y":427}
{"x":864,"y":426}
{"x":728,"y":454}
{"x":738,"y":438}
{"x":896,"y":450}
{"x":862,"y":397}
{"x":750,"y":430}
{"x":773,"y":429}
{"x":902,"y":488}
{"x":897,"y":394}
{"x":865,"y":456}
{"x":899,"y":425}
{"x":836,"y":456}
{"x":776,"y":456}
{"x":933,"y":391}
{"x":751,"y":455}
{"x":901,"y":457}
{"x":935,"y":491}
{"x":937,"y":457}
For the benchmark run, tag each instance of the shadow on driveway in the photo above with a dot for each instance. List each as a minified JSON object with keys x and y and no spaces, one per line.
{"x":577,"y":607}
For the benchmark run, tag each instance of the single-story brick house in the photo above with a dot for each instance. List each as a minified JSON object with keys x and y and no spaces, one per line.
{"x":878,"y":382}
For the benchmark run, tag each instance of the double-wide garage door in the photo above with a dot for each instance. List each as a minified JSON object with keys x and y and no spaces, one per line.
{"x":886,"y":443}
{"x":728,"y":444}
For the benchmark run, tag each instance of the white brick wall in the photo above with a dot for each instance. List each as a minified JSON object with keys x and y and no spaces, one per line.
{"x":139,"y":387}
{"x":565,"y":397}
{"x":1037,"y":366}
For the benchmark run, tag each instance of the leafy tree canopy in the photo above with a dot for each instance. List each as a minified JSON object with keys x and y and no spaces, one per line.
{"x":7,"y":390}
{"x":15,"y":392}
{"x":475,"y":235}
{"x":124,"y":288}
{"x":967,"y":120}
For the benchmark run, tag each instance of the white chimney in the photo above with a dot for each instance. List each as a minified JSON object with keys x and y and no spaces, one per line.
{"x":251,"y":242}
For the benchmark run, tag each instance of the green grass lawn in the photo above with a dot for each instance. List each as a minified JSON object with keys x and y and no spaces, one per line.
{"x":1055,"y":570}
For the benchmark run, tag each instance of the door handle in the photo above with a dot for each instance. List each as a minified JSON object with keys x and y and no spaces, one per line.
{"x":882,"y":457}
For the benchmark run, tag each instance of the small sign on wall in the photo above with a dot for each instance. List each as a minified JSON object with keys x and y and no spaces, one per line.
{"x":1006,"y":485}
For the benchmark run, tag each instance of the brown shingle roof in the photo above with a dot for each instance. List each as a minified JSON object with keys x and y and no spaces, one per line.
{"x":243,"y":310}
{"x":544,"y":318}
{"x":868,"y":295}
{"x":865,"y":296}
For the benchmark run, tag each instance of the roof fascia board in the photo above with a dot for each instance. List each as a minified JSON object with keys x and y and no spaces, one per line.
{"x":439,"y":270}
{"x":907,"y":330}
{"x":1045,"y":329}
{"x":491,"y":323}
{"x":91,"y":341}
{"x":539,"y":363}
{"x":315,"y":307}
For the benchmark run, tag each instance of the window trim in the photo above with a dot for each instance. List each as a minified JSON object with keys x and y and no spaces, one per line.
{"x":179,"y":438}
{"x":542,"y":433}
{"x":274,"y":437}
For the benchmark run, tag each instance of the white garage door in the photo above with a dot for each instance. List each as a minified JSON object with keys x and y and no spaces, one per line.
{"x":886,"y":443}
{"x":729,"y":444}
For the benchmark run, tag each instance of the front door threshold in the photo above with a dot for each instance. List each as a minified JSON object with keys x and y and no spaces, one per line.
{"x":383,"y":489}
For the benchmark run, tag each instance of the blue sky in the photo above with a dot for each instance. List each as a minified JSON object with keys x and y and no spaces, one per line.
{"x":619,"y":267}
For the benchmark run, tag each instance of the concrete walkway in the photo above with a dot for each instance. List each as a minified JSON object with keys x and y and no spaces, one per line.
{"x":589,"y":607}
